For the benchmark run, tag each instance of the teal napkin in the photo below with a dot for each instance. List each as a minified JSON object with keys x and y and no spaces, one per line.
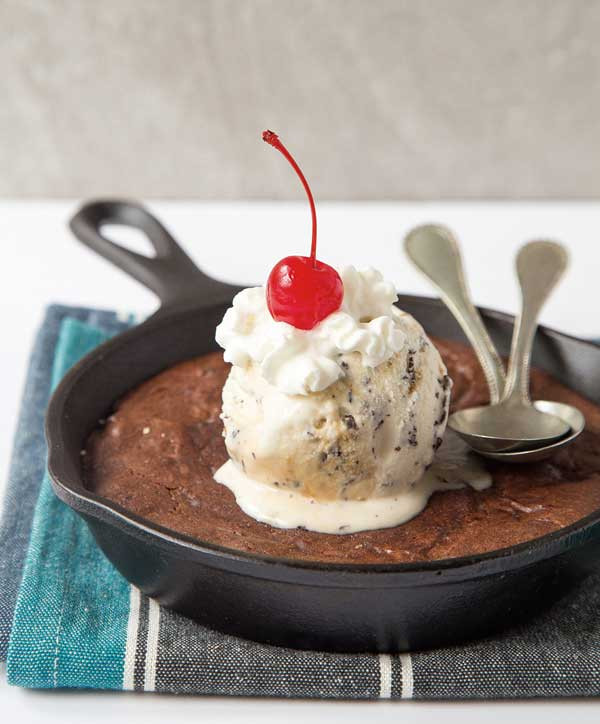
{"x":79,"y":624}
{"x":69,"y":627}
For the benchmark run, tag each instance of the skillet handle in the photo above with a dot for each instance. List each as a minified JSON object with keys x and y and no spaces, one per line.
{"x":171,"y":274}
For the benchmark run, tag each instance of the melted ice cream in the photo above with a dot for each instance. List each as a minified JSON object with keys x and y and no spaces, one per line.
{"x":453,"y":467}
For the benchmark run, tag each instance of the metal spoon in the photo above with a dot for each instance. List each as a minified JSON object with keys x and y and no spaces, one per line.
{"x":514,"y":423}
{"x":435,"y":251}
{"x":569,"y":414}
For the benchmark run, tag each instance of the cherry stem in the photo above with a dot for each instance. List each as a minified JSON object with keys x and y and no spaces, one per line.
{"x":273,"y":140}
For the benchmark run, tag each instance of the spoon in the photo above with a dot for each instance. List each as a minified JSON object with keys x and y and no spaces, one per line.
{"x":435,"y":251}
{"x":514,"y":423}
{"x":571,"y":416}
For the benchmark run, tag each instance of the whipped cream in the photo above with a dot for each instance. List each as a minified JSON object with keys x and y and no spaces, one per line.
{"x":298,"y":362}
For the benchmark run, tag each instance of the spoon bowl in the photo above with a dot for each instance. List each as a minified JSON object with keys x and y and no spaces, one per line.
{"x":505,"y":428}
{"x":569,"y":414}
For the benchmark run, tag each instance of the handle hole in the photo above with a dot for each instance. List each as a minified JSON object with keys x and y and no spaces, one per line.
{"x":130,"y":238}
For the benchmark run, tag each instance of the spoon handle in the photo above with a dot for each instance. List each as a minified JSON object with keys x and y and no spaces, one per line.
{"x":435,"y":251}
{"x":540,"y":265}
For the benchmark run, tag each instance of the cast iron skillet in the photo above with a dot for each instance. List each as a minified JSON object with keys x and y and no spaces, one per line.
{"x":354,"y":607}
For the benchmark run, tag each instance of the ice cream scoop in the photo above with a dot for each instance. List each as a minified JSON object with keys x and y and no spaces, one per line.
{"x":349,"y":412}
{"x":371,"y":433}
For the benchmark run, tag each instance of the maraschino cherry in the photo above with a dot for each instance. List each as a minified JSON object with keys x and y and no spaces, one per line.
{"x":301,"y":290}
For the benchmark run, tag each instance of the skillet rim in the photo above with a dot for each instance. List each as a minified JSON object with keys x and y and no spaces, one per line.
{"x":87,"y":503}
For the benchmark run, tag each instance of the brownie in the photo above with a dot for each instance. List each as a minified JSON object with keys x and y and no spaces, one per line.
{"x":156,"y":455}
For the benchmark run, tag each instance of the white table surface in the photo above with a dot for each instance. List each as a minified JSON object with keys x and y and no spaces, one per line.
{"x":239,"y":242}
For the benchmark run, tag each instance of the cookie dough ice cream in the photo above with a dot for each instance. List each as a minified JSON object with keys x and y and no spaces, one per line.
{"x":351,"y":410}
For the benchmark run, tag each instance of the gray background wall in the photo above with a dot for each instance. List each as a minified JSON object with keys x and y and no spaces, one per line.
{"x":380,"y":99}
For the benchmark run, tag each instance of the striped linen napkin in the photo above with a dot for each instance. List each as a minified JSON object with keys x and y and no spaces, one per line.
{"x":78,"y":623}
